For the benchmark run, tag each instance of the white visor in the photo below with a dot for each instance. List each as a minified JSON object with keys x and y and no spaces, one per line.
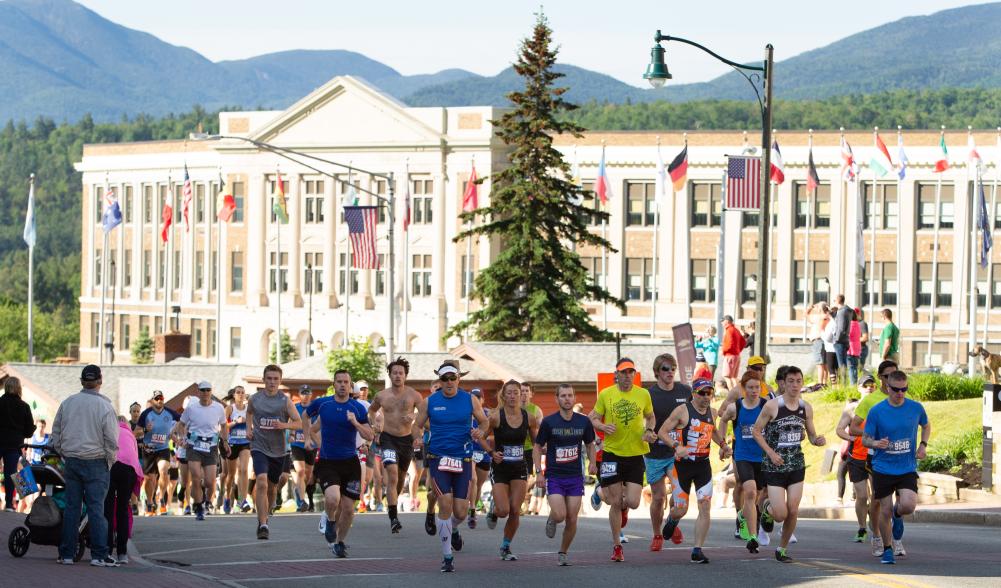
{"x":447,"y":369}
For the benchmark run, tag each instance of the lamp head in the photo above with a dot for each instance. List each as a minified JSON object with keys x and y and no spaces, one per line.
{"x":656,"y":71}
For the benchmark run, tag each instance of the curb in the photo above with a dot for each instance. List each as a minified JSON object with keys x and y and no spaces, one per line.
{"x":951,"y":517}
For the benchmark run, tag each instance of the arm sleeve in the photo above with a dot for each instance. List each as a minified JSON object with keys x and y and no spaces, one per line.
{"x":110,"y":437}
{"x":141,"y":421}
{"x":29,"y":423}
{"x":923,"y":417}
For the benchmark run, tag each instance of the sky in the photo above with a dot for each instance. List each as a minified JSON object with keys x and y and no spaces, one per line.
{"x":483,"y":37}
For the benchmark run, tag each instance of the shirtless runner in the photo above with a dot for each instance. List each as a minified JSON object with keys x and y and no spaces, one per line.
{"x":397,"y":404}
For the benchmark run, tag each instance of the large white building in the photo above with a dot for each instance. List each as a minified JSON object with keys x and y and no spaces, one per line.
{"x":813,"y":249}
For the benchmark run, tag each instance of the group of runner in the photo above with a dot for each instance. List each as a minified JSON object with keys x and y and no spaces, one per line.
{"x":647,"y":436}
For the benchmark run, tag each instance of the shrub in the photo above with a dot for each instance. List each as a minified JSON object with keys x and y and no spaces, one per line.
{"x":840,"y":393}
{"x":954,"y":451}
{"x":928,"y":387}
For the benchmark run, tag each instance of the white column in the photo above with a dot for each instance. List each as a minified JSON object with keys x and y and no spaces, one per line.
{"x":257,"y":220}
{"x":329,"y":245}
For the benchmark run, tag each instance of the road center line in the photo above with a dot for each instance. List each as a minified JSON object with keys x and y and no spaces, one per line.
{"x":275,"y":561}
{"x":864,"y":575}
{"x":318,"y":577}
{"x":263,"y":543}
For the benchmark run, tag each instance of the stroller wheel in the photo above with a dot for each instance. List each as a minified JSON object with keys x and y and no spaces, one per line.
{"x":81,"y":543}
{"x":18,"y":541}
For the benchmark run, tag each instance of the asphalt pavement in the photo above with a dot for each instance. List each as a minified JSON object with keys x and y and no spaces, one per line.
{"x":224,"y":550}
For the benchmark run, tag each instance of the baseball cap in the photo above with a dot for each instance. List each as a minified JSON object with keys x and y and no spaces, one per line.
{"x":700,"y":357}
{"x":865,"y":379}
{"x":362,"y":384}
{"x":625,"y":364}
{"x":204,"y":385}
{"x":90,"y":373}
{"x":305,"y":389}
{"x":756,"y":360}
{"x":157,"y":394}
{"x":702,"y":385}
{"x":476,"y":392}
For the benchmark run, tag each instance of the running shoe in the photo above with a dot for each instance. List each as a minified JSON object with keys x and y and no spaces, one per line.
{"x":506,"y":554}
{"x":187,"y":510}
{"x":595,"y":499}
{"x":361,"y":507}
{"x":625,"y":518}
{"x":227,"y":506}
{"x":782,"y":556}
{"x":123,"y":560}
{"x":65,"y":561}
{"x":752,"y":545}
{"x":107,"y":562}
{"x":200,"y":515}
{"x":456,"y":540}
{"x":767,"y":522}
{"x":623,"y":538}
{"x":447,"y":565}
{"x":491,"y":515}
{"x":245,"y":507}
{"x":888,"y":557}
{"x":395,"y":526}
{"x":617,"y":553}
{"x":898,"y":548}
{"x":378,"y":507}
{"x":877,"y":546}
{"x":563,"y":559}
{"x":429,"y":525}
{"x":764,"y":539}
{"x":471,"y":519}
{"x":677,"y":537}
{"x":302,"y":507}
{"x":262,"y":532}
{"x":163,"y":510}
{"x":135,"y":510}
{"x":742,"y":529}
{"x":736,"y":529}
{"x":861,"y":536}
{"x":898,"y":526}
{"x":656,"y":544}
{"x":698,"y":557}
{"x":340,"y":550}
{"x":550,"y":527}
{"x":330,"y":534}
{"x":793,"y":539}
{"x":323,"y":523}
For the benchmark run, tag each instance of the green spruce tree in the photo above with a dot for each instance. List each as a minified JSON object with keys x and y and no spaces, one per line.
{"x":142,"y":347}
{"x":535,"y":288}
{"x":289,"y":352}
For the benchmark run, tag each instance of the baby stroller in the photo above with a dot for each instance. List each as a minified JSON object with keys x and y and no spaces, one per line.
{"x":44,"y":524}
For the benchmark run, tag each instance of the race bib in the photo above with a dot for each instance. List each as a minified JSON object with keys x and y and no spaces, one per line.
{"x":514,"y":453}
{"x":790,"y":438}
{"x":158,"y":438}
{"x":899,"y":446}
{"x":268,"y":423}
{"x":299,"y":437}
{"x":239,"y":433}
{"x":203,"y":444}
{"x":568,"y":454}
{"x":609,"y":469}
{"x":478,"y":456}
{"x":389,"y":455}
{"x":745,"y":432}
{"x":452,"y":465}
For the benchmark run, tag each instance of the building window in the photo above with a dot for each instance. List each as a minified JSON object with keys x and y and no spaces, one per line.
{"x":272,"y":187}
{"x":380,"y":276}
{"x":593,"y":266}
{"x":641,"y":203}
{"x":214,"y":271}
{"x":127,"y":270}
{"x":278,"y":271}
{"x":749,"y":280}
{"x":112,"y":267}
{"x":127,"y":204}
{"x":421,"y":201}
{"x":95,"y":330}
{"x":926,"y":206}
{"x":210,"y":332}
{"x":313,"y":281}
{"x":196,"y":337}
{"x":816,"y":288}
{"x":125,"y":336}
{"x":984,"y":286}
{"x":821,"y":206}
{"x":939,"y":353}
{"x":466,"y":275}
{"x":147,"y":269}
{"x":97,"y":266}
{"x":236,"y":271}
{"x":420,"y":275}
{"x":178,"y":204}
{"x":157,"y":324}
{"x":887,"y":211}
{"x":199,"y":269}
{"x":639,"y":278}
{"x":98,"y":203}
{"x":707,"y":204}
{"x":239,"y":194}
{"x":234,"y":342}
{"x":148,"y":204}
{"x":313,"y":190}
{"x":379,"y":187}
{"x":161,"y":277}
{"x":199,"y":203}
{"x":175,"y":276}
{"x":342,"y":274}
{"x":703,"y":276}
{"x":883,"y":283}
{"x":926,"y":284}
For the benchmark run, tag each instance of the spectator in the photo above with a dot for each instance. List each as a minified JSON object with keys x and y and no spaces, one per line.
{"x":39,"y":438}
{"x":889,"y":339}
{"x":842,"y":324}
{"x":126,"y":480}
{"x":854,"y":348}
{"x":830,"y":353}
{"x":748,"y":332}
{"x":85,"y":434}
{"x":863,"y":338}
{"x":733,"y":345}
{"x":16,"y":425}
{"x":708,"y":344}
{"x":817,"y":317}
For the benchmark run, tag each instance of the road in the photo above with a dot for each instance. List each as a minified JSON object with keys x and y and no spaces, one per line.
{"x":224,"y":549}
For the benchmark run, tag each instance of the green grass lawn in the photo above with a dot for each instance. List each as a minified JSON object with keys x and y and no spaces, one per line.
{"x":949,"y":418}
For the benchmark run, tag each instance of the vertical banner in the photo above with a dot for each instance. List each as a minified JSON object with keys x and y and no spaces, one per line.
{"x":684,"y":350}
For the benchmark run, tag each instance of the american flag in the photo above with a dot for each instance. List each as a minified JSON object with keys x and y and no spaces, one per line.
{"x":743,"y":182}
{"x":186,"y":193}
{"x":361,"y":228}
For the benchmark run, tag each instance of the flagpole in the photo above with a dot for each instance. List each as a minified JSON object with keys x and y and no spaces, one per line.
{"x":964,"y":280}
{"x":406,"y":259}
{"x":278,"y":271}
{"x":872,"y":233}
{"x":604,"y":257}
{"x":773,"y":190}
{"x":808,"y":299}
{"x":658,"y":188}
{"x":31,"y":274}
{"x":167,"y":249}
{"x":990,"y":265}
{"x":347,"y":280}
{"x":720,"y":260}
{"x":934,"y":261}
{"x":104,"y":281}
{"x":467,"y":277}
{"x":218,"y":275}
{"x":974,"y":210}
{"x":899,"y":223}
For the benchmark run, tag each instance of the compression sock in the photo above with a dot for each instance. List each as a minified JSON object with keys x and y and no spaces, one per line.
{"x":506,"y":543}
{"x":445,"y":535}
{"x":392,"y":511}
{"x":310,"y":490}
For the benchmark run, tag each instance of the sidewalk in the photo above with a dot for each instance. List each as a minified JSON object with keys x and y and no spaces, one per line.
{"x":38,"y":567}
{"x":956,"y":513}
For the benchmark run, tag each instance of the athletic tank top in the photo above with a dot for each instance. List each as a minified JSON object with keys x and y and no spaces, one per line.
{"x":269,"y":410}
{"x":448,"y":424}
{"x":510,"y":441}
{"x":298,"y":438}
{"x":697,"y":435}
{"x":784,"y":435}
{"x":238,"y":431}
{"x":745,"y":447}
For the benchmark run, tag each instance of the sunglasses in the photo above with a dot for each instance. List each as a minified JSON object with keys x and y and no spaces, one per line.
{"x":898,"y":389}
{"x":884,"y":376}
{"x":704,"y":393}
{"x":449,"y":378}
{"x":668,"y":368}
{"x":757,"y":368}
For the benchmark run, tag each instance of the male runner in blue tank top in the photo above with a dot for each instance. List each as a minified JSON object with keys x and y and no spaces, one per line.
{"x":339,"y":421}
{"x":747,"y":455}
{"x":154,"y":425}
{"x":448,"y":414}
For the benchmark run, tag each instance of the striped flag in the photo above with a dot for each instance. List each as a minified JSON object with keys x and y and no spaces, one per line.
{"x":280,"y":206}
{"x":901,"y":156}
{"x":881,"y":163}
{"x":812,"y":178}
{"x":225,"y":203}
{"x":778,"y":171}
{"x":679,"y":169}
{"x":984,"y":224}
{"x":361,"y":228}
{"x":602,"y":187}
{"x":942,"y":164}
{"x":168,"y":217}
{"x":187,"y":194}
{"x":743,"y":182}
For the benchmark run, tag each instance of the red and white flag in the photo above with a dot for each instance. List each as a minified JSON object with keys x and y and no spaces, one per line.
{"x":471,"y":197}
{"x":361,"y":221}
{"x":778,"y":171}
{"x":743,"y":182}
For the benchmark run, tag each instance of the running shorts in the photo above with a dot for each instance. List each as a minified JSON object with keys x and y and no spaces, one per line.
{"x":884,"y":485}
{"x":450,"y":475}
{"x":397,"y":450}
{"x":303,"y":454}
{"x":343,"y":473}
{"x":785,"y":479}
{"x":566,"y":486}
{"x":506,"y":471}
{"x":858,"y":470}
{"x":698,"y":473}
{"x":482,"y":460}
{"x":657,"y":469}
{"x":750,"y":470}
{"x":273,"y":467}
{"x":616,"y":468}
{"x":150,"y":461}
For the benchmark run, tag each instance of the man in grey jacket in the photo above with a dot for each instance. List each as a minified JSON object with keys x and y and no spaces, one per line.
{"x":85,"y":434}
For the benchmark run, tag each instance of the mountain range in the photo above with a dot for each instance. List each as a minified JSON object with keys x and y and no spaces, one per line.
{"x":61,"y":60}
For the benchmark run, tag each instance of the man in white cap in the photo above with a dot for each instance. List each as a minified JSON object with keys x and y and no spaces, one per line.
{"x":204,"y":426}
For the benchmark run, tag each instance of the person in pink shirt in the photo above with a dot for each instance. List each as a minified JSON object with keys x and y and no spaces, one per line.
{"x":126,"y":480}
{"x":854,"y":347}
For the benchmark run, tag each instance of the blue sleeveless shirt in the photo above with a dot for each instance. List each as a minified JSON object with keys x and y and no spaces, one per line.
{"x":449,"y":424}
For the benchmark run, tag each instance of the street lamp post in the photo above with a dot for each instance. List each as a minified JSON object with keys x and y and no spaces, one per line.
{"x":388,"y":200}
{"x":657,"y":74}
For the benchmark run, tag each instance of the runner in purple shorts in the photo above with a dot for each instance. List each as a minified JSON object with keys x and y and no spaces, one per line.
{"x":561,"y":435}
